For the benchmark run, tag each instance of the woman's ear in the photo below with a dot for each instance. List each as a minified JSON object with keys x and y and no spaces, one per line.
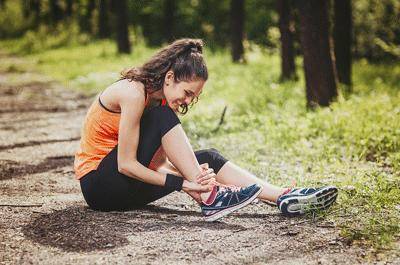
{"x":169,"y":77}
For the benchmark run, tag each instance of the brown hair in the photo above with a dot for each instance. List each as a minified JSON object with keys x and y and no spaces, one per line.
{"x":184,"y":57}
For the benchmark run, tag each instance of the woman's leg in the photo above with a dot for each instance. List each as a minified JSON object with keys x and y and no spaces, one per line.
{"x":230,"y":174}
{"x":179,"y":151}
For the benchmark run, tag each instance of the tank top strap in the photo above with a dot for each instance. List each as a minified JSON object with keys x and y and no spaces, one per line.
{"x":146,"y":98}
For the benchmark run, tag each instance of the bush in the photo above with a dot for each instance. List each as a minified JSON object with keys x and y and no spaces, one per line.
{"x":50,"y":38}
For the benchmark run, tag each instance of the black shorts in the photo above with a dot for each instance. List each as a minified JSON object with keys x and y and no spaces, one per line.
{"x":106,"y":189}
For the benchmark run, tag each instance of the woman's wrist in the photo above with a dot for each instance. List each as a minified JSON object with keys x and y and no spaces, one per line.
{"x":173,"y":181}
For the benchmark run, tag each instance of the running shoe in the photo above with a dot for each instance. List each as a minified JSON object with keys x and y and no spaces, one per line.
{"x":302,"y":200}
{"x":225,"y":200}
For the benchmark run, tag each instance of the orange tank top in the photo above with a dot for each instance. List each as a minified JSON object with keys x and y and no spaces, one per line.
{"x":99,"y":136}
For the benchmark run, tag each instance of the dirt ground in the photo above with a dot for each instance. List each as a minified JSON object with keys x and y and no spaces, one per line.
{"x":44,"y":219}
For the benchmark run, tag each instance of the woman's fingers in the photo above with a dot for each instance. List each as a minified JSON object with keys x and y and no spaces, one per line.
{"x":205,"y":173}
{"x":193,"y":186}
{"x":207,"y":178}
{"x":204,"y":170}
{"x":203,"y":188}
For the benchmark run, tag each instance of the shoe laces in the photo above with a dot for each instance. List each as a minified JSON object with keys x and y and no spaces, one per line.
{"x":229,"y":188}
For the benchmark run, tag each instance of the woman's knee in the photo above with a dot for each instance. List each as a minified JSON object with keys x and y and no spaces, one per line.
{"x":213,"y":157}
{"x":164,"y":117}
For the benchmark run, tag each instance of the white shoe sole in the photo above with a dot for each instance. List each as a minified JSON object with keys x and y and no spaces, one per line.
{"x":227,"y":211}
{"x":319,"y":200}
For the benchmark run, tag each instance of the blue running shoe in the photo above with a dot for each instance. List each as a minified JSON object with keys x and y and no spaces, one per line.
{"x":302,"y":200}
{"x":225,"y":200}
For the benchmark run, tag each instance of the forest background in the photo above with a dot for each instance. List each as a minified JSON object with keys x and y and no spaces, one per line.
{"x":309,"y":90}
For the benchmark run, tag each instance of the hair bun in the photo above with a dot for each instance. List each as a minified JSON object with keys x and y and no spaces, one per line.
{"x":196,"y":46}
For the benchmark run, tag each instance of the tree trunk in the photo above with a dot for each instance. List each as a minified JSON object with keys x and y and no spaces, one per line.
{"x":286,"y":28}
{"x":169,"y":19}
{"x":26,"y":10}
{"x":68,"y":9}
{"x":56,"y":13}
{"x":237,"y":30}
{"x":86,"y":19}
{"x":121,"y":14}
{"x":342,"y":40}
{"x":104,"y":22}
{"x":318,"y":65}
{"x":36,"y":7}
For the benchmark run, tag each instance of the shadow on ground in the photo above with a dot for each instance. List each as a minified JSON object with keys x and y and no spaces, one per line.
{"x":79,"y":229}
{"x":11,"y":169}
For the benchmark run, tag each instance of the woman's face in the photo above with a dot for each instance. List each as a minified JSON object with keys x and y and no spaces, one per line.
{"x":178,"y":93}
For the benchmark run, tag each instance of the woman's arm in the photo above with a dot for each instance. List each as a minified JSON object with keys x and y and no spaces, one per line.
{"x":132,"y":104}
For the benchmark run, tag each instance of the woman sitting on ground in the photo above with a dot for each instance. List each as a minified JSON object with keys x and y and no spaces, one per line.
{"x":134,"y":150}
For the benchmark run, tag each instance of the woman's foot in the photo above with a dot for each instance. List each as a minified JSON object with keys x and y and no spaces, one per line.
{"x":299,"y":201}
{"x":225,"y":200}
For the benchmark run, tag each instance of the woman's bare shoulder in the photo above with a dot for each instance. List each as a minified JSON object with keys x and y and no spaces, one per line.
{"x":127,"y":88}
{"x":123,"y":91}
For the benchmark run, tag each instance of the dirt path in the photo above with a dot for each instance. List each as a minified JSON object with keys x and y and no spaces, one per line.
{"x":39,"y":132}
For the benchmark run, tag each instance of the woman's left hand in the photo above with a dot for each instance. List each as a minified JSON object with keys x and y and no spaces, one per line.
{"x":207,"y":176}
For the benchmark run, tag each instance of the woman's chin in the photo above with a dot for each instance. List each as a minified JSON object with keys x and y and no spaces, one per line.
{"x":173,"y":106}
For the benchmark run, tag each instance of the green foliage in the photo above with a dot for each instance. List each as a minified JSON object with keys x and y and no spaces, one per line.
{"x":376,"y":24}
{"x":376,"y":34}
{"x":12,"y":22}
{"x":44,"y":38}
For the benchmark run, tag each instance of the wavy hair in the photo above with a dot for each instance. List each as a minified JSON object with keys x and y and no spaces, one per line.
{"x":184,"y":57}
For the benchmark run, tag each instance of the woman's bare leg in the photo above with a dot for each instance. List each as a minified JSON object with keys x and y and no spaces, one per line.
{"x":231,"y":174}
{"x":179,"y":151}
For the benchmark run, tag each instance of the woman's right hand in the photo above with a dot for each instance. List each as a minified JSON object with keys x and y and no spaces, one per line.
{"x":197,"y":187}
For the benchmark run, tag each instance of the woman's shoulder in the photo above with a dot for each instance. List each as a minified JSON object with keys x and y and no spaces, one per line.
{"x":126,"y":86}
{"x":125,"y":90}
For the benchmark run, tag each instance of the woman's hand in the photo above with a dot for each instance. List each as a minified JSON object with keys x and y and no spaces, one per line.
{"x":207,"y":176}
{"x":189,"y":186}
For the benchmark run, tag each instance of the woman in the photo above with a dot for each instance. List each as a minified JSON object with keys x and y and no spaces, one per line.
{"x":134,"y":150}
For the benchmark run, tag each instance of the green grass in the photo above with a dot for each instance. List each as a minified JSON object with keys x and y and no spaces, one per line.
{"x":354,"y":144}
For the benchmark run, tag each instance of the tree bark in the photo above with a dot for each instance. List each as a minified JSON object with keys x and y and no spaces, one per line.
{"x":169,"y":19}
{"x":237,"y":29}
{"x":86,"y":19}
{"x":286,"y":29}
{"x":104,"y":22}
{"x":121,"y":14}
{"x":56,"y":13}
{"x":68,"y":9}
{"x":318,"y":65}
{"x":342,"y":40}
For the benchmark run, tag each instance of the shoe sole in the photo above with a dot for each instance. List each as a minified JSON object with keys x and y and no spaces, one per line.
{"x":321,"y":200}
{"x":227,"y":211}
